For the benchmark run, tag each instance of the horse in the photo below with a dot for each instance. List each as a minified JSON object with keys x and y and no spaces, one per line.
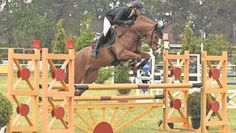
{"x":127,"y":46}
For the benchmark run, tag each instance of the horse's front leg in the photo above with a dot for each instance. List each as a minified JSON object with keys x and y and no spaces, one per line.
{"x":145,"y":57}
{"x":127,"y":55}
{"x":134,"y":64}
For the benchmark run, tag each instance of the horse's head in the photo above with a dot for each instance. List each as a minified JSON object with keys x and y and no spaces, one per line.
{"x":150,"y":30}
{"x":154,"y":38}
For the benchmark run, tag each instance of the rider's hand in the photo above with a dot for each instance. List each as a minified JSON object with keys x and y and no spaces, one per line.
{"x":129,"y":22}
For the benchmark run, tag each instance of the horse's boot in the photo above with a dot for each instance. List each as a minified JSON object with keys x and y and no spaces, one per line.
{"x":98,"y":45}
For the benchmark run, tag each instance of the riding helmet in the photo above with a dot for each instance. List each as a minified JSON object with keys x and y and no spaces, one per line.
{"x":138,"y":5}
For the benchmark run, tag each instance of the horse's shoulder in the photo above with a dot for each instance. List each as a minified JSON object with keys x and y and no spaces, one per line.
{"x":119,"y":28}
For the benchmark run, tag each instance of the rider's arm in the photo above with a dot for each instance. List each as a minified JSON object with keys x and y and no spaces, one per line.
{"x":118,"y":18}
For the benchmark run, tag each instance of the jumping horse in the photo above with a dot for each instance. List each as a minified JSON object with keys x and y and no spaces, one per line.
{"x":126,"y":46}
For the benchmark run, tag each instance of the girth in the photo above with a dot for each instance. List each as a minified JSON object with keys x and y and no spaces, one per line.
{"x":115,"y":61}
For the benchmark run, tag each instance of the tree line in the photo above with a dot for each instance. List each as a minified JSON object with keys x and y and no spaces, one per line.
{"x":21,"y":21}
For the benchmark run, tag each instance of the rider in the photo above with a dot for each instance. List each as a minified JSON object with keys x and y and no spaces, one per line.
{"x":121,"y":16}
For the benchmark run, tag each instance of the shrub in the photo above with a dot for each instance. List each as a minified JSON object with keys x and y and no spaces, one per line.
{"x":121,"y":75}
{"x":0,"y":58}
{"x":234,"y":60}
{"x":5,"y":110}
{"x":104,"y":74}
{"x":194,"y":105}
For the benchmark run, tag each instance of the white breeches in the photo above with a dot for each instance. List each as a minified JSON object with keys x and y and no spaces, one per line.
{"x":106,"y":26}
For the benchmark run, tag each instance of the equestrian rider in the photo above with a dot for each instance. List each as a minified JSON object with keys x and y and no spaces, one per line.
{"x":121,"y":16}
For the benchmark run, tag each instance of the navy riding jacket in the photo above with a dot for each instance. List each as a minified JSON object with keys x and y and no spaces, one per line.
{"x":120,"y":15}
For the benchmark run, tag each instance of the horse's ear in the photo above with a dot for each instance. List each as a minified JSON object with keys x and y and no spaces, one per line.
{"x":158,"y":27}
{"x":164,"y":25}
{"x":160,"y":24}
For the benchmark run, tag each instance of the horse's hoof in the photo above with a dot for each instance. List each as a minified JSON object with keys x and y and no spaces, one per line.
{"x":40,"y":99}
{"x":40,"y":86}
{"x":78,"y":93}
{"x":159,"y":123}
{"x":131,"y":64}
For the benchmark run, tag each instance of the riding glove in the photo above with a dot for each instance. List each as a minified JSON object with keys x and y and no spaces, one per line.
{"x":129,"y":22}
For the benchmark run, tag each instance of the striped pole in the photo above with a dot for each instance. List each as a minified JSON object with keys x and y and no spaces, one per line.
{"x":110,"y":98}
{"x":135,"y":86}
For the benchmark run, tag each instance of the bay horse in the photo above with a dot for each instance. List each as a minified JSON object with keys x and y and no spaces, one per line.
{"x":127,"y":46}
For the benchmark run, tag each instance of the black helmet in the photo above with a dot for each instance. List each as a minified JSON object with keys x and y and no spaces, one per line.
{"x":138,"y":5}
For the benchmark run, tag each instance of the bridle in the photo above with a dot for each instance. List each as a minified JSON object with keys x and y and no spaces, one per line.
{"x":151,"y":42}
{"x":140,"y":37}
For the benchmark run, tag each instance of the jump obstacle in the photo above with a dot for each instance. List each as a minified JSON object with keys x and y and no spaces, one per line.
{"x":23,"y":108}
{"x":231,"y":93}
{"x":62,"y":106}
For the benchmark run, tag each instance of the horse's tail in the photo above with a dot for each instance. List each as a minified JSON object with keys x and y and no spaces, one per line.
{"x":77,"y":64}
{"x":80,"y":63}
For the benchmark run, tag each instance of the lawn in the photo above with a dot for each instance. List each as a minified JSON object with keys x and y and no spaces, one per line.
{"x":146,"y":124}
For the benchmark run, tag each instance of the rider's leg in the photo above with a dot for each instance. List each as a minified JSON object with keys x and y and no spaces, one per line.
{"x":106,"y":27}
{"x":98,"y":45}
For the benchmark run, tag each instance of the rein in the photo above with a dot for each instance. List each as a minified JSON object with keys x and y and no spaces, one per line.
{"x":140,"y":37}
{"x":126,"y":29}
{"x":151,"y":40}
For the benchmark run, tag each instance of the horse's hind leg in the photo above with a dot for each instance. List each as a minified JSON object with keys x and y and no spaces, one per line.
{"x":90,"y":77}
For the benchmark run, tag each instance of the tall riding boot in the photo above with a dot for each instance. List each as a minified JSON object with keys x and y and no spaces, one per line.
{"x":99,"y":43}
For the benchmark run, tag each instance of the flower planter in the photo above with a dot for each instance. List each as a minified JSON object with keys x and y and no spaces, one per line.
{"x":123,"y":101}
{"x":195,"y":123}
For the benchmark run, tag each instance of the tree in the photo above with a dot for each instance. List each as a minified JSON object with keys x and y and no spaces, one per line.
{"x":174,"y":12}
{"x":21,"y":20}
{"x":217,"y":17}
{"x":59,"y":45}
{"x":210,"y":16}
{"x":189,"y":42}
{"x":215,"y":43}
{"x":234,"y":60}
{"x":86,"y":34}
{"x":71,"y":11}
{"x":21,"y":23}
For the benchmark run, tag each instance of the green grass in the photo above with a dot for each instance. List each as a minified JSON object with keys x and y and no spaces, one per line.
{"x":146,"y":124}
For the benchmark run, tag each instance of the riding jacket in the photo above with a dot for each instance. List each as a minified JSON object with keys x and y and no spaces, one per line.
{"x":120,"y":15}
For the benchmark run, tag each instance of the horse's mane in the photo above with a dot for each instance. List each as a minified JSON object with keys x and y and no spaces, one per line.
{"x":92,"y":43}
{"x":145,"y":19}
{"x":140,"y":18}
